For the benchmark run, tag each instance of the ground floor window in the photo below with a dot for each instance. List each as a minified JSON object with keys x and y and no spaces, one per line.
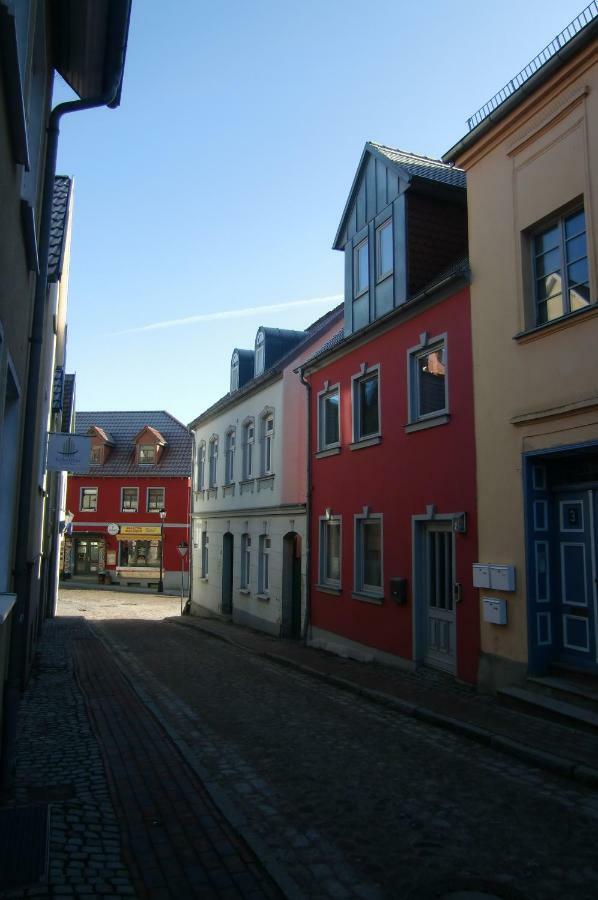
{"x":264,"y":565}
{"x":368,"y":554}
{"x":245,"y":560}
{"x":139,"y":553}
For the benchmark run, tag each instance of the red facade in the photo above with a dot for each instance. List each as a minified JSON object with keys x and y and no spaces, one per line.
{"x":410,"y":478}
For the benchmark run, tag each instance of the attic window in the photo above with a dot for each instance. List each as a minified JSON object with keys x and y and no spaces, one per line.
{"x":96,"y":456}
{"x":147,"y":454}
{"x":259,"y":353}
{"x":361,"y":264}
{"x":234,"y":372}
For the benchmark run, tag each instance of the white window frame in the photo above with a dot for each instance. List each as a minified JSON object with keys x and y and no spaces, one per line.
{"x":204,"y":543}
{"x":323,"y":395}
{"x":248,"y":447}
{"x":558,"y":221}
{"x":245,"y":579}
{"x":260,"y":353}
{"x":124,"y":508}
{"x":141,"y":447}
{"x":230,"y":442}
{"x":360,"y":585}
{"x":213,"y":462}
{"x":426,"y":345}
{"x":161,"y":505}
{"x":81,"y":495}
{"x":99,"y":451}
{"x":357,"y":291}
{"x":234,"y":373}
{"x":380,"y":275}
{"x":201,"y":466}
{"x":267,"y":441}
{"x":365,"y":374}
{"x":265,"y":544}
{"x":325,"y":523}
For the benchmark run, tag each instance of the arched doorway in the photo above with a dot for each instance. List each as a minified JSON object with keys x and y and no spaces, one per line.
{"x":291,"y":585}
{"x":227,"y":573}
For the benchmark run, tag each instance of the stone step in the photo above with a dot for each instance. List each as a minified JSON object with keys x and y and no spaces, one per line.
{"x":536,"y":703}
{"x":580,"y":693}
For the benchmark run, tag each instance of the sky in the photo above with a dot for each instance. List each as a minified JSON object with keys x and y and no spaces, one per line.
{"x":206,"y":205}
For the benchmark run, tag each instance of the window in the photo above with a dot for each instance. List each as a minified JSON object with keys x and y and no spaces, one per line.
{"x":368,"y":554}
{"x":384,"y":254}
{"x":264,"y":565}
{"x":129,"y":499}
{"x":245,"y":560}
{"x":267,"y":440}
{"x":234,"y":372}
{"x":428,"y":381}
{"x":88,"y":499}
{"x":260,"y":359}
{"x":361,"y":264}
{"x":139,"y":553}
{"x":560,"y":258}
{"x":366,"y":411}
{"x":213,"y":461}
{"x":248,"y":442}
{"x":330,"y":552}
{"x":204,"y":554}
{"x":155,"y":499}
{"x":96,"y":456}
{"x":147,"y":454}
{"x":229,"y":451}
{"x":328,"y":419}
{"x":201,"y":466}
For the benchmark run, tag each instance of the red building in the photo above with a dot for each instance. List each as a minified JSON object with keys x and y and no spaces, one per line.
{"x":393,"y":530}
{"x":131,"y":509}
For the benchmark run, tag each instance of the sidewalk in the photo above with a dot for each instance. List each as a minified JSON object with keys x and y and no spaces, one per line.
{"x":431,"y":697}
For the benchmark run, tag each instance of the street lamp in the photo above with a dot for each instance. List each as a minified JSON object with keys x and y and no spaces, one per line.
{"x":162,"y":515}
{"x":183,"y":549}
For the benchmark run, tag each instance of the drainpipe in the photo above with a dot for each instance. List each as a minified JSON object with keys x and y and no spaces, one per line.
{"x":307,"y":619}
{"x":18,"y":654}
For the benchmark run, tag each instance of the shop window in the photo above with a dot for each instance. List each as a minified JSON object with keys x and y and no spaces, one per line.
{"x":139,"y":554}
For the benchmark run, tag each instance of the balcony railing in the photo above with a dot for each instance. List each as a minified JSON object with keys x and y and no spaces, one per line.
{"x":574,"y":27}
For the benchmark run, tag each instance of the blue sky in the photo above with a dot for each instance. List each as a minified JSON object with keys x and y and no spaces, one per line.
{"x":215,"y":190}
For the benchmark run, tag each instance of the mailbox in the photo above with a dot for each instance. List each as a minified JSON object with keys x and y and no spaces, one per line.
{"x":398,"y":590}
{"x":494,"y":610}
{"x":502,"y":578}
{"x":481,"y":576}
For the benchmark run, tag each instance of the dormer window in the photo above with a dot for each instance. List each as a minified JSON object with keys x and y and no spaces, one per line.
{"x":361,"y":266}
{"x":97,"y":454}
{"x":259,"y":353}
{"x":234,"y":373}
{"x":147,"y":454}
{"x":384,"y":254}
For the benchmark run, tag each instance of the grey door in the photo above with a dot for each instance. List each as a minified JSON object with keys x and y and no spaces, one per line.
{"x":440,"y":649}
{"x":87,"y":557}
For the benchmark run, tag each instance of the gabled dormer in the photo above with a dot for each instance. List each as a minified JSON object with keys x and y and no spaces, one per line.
{"x":241,"y":368}
{"x":271,"y":344}
{"x":149,"y":446}
{"x":101,"y":445}
{"x":405,"y":222}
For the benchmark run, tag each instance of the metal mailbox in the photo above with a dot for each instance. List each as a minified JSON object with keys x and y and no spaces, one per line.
{"x":494,"y":610}
{"x":481,"y":575}
{"x":502,"y":578}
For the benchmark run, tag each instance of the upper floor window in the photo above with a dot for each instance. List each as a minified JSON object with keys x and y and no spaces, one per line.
{"x":560,"y":259}
{"x":260,"y":353}
{"x":248,"y":443}
{"x":366,"y":407}
{"x":155,"y":499}
{"x":147,"y":454}
{"x":88,"y":499}
{"x":96,"y":455}
{"x":213,"y":461}
{"x":230,"y":456}
{"x":129,"y":500}
{"x":427,"y":377}
{"x":267,"y":442}
{"x":201,"y":466}
{"x":384,"y":254}
{"x":361,"y":265}
{"x":328,"y":418}
{"x":234,"y":372}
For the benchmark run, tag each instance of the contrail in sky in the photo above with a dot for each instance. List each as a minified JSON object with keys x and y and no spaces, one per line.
{"x":228,"y":314}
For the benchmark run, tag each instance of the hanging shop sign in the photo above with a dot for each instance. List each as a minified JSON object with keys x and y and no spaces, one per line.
{"x":68,"y":452}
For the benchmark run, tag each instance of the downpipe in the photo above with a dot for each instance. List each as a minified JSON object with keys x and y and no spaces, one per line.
{"x":307,"y":619}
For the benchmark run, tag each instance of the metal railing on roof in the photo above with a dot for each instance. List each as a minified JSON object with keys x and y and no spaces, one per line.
{"x":574,"y":27}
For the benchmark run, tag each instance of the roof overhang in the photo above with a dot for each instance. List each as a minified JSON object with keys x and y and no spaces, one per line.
{"x":90,"y":43}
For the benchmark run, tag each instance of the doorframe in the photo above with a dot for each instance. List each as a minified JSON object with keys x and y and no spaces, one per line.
{"x":291,"y":541}
{"x":228,"y":540}
{"x":418,"y":528}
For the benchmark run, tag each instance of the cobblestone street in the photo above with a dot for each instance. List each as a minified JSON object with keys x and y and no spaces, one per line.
{"x":335,"y":795}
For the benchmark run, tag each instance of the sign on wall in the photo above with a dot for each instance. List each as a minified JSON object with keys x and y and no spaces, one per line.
{"x":68,"y":452}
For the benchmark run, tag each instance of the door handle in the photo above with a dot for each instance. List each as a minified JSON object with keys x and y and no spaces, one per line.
{"x":457,"y":592}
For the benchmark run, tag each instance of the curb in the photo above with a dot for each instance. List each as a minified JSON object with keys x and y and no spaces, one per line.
{"x":542,"y":759}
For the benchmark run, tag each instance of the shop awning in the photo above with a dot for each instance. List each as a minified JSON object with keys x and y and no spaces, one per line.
{"x":139,"y":536}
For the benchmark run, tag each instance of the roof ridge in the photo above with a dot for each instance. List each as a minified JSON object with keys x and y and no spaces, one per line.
{"x":411,"y":153}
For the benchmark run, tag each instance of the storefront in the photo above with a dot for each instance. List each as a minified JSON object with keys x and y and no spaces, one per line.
{"x":139,"y":552}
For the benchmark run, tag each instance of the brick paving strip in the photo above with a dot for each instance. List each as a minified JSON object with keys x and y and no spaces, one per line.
{"x":430,"y":697}
{"x":175,"y":841}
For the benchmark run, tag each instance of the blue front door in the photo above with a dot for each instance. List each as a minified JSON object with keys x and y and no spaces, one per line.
{"x":576,"y":515}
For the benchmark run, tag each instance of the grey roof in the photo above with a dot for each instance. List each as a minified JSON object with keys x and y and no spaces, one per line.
{"x":123,"y":427}
{"x":58,"y":227}
{"x":422,"y":166}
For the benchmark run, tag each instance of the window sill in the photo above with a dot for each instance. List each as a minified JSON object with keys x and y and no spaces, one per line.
{"x":245,"y":591}
{"x":539,"y":331}
{"x":376,"y":599}
{"x":329,"y":589}
{"x":330,"y":451}
{"x":432,"y":422}
{"x":383,"y":277}
{"x":366,"y":442}
{"x":212,"y":493}
{"x":204,"y":578}
{"x":247,"y":486}
{"x":265,"y":482}
{"x":265,"y":598}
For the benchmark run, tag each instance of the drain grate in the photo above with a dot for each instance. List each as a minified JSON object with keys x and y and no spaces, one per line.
{"x":24,"y":845}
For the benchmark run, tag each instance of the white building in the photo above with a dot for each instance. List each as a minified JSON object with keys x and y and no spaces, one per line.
{"x":249,"y":486}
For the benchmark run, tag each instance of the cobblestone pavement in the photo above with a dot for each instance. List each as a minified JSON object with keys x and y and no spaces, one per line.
{"x":349,"y":798}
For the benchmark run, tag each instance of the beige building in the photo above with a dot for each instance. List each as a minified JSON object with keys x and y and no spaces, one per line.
{"x":531,"y":158}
